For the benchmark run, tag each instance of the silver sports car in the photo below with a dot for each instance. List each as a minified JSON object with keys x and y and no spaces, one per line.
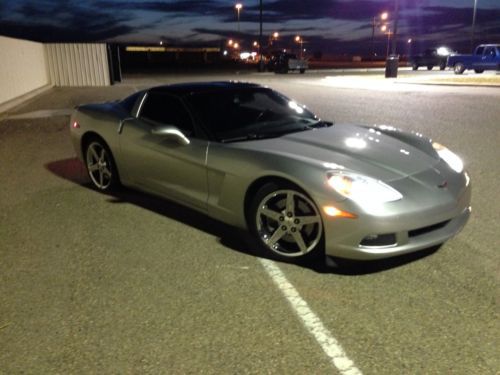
{"x":253,"y":158}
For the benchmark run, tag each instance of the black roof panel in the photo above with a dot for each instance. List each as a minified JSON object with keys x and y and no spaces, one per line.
{"x":186,"y":88}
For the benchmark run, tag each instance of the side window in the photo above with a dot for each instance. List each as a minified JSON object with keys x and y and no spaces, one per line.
{"x":479,"y":50}
{"x":168,"y":110}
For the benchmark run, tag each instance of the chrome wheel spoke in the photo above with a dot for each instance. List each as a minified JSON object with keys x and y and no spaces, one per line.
{"x":305,"y":220}
{"x":101,"y":178}
{"x":290,"y":204}
{"x":288,"y":223}
{"x":93,"y":167}
{"x":297,"y":236}
{"x":95,"y":156}
{"x":278,"y":233}
{"x":270,"y":213}
{"x":106,"y":172}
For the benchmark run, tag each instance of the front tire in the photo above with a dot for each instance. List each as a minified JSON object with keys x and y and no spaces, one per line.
{"x":302,"y":71}
{"x":478,"y":71}
{"x":101,"y":166}
{"x":285,"y":223}
{"x":429,"y":67}
{"x":414,"y":67}
{"x":458,"y":68}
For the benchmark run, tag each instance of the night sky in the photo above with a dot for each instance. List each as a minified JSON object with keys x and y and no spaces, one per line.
{"x":330,"y":26}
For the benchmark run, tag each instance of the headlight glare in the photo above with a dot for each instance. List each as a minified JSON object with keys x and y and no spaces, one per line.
{"x":362,"y":189}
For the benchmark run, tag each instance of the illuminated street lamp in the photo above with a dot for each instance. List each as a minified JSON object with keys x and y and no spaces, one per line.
{"x":299,"y":40}
{"x":230,"y":42}
{"x":376,"y":22}
{"x":236,"y":45}
{"x":274,"y":36}
{"x":238,"y":9}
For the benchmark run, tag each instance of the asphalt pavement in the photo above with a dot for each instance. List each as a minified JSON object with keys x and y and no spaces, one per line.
{"x":129,"y":283}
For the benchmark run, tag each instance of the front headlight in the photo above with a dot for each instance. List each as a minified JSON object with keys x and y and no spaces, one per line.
{"x":362,"y":189}
{"x":449,"y":157}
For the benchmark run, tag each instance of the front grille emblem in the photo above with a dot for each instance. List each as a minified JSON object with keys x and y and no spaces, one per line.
{"x":443,"y":185}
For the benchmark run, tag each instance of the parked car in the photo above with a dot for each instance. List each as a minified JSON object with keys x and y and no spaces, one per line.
{"x":253,"y":158}
{"x":485,"y":57}
{"x":285,"y":62}
{"x":430,"y":58}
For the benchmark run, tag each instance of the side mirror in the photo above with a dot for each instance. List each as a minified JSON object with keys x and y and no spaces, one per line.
{"x":171,"y":132}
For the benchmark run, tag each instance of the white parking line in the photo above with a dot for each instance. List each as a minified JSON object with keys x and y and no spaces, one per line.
{"x":311,"y":321}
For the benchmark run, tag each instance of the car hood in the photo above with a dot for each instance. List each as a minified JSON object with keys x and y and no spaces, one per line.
{"x":352,"y":147}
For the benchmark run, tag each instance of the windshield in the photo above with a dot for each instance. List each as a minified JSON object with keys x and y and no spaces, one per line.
{"x":246,"y":114}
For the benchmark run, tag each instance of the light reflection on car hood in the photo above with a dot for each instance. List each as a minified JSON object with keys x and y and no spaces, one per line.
{"x":352,"y":147}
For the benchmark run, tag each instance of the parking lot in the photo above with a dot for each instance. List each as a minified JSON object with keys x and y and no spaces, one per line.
{"x":129,"y":283}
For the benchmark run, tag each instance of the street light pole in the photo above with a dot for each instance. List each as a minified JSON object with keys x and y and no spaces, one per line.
{"x":261,"y":62}
{"x":473,"y":26}
{"x":394,"y":35}
{"x":392,"y":62}
{"x":238,"y":8}
{"x":381,"y":18}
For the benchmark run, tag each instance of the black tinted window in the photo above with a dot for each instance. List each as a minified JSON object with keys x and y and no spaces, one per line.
{"x":479,"y":50}
{"x":168,"y":110}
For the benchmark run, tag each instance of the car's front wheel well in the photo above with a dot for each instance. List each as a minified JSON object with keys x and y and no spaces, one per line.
{"x":257,"y":184}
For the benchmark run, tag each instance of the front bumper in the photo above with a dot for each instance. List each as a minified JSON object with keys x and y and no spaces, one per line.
{"x":405,"y":231}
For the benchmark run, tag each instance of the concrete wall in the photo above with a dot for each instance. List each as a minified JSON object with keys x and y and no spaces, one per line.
{"x":77,"y":64}
{"x":22,"y":68}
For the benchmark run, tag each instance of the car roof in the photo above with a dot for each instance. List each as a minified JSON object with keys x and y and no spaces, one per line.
{"x":187,"y":88}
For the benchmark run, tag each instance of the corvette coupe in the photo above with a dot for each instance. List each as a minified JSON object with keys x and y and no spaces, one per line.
{"x":249,"y":156}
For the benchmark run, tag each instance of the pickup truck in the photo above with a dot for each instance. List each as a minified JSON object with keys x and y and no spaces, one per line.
{"x":430,"y":58}
{"x":485,"y":57}
{"x":285,"y":62}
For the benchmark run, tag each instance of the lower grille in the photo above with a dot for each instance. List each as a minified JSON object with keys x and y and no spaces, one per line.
{"x":425,"y":230}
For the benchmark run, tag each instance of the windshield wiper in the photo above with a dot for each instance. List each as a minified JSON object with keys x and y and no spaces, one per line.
{"x":321,"y":124}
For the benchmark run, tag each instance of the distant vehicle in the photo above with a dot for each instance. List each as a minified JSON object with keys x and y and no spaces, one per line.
{"x":255,"y":159}
{"x":285,"y":62}
{"x":430,"y":58}
{"x":485,"y":57}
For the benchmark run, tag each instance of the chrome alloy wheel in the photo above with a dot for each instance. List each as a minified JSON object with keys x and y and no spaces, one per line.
{"x":288,"y":223}
{"x":99,"y":165}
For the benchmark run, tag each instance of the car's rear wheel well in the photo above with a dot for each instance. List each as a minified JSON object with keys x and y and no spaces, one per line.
{"x":90,"y":137}
{"x":257,"y":184}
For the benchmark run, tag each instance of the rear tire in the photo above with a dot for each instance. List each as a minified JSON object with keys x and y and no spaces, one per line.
{"x":414,"y":67}
{"x":285,"y":223}
{"x":302,"y":71}
{"x":458,"y":68}
{"x":442,"y":66}
{"x":101,"y":166}
{"x":479,"y":71}
{"x":429,"y":67}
